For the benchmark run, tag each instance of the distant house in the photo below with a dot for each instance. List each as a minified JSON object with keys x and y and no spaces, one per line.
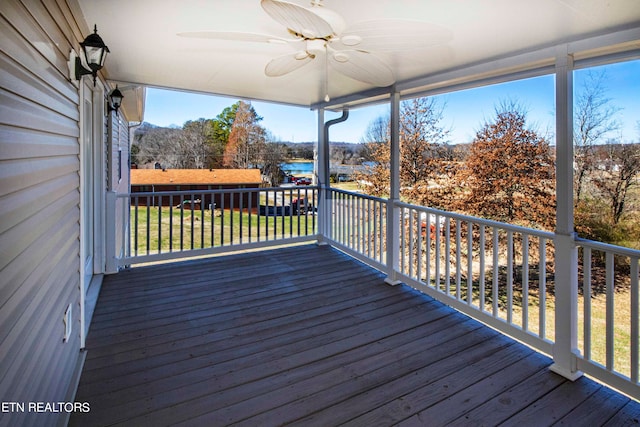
{"x":195,"y":180}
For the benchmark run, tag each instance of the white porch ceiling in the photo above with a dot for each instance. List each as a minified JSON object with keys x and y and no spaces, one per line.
{"x":145,"y":47}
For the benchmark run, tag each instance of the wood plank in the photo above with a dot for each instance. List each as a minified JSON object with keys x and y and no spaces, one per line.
{"x":467,"y":399}
{"x":599,"y":408}
{"x":298,"y":347}
{"x":554,"y":405}
{"x":333,"y":347}
{"x":512,"y":401}
{"x":339,"y":404}
{"x":231,"y":338}
{"x":357,"y":362}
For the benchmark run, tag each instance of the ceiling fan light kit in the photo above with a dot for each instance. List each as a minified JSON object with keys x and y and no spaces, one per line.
{"x":349,"y":51}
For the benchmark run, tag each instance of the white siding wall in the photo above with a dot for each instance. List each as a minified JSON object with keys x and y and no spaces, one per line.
{"x":39,"y":205}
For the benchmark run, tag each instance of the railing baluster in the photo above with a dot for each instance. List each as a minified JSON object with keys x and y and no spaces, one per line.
{"x":470,"y":263}
{"x":222,"y":208}
{"x":181,"y":222}
{"x":136,"y":228}
{"x":283,"y":228}
{"x":586,"y":293}
{"x":192,"y":196}
{"x":542,"y":289}
{"x":171,"y":223}
{"x":495,"y":292}
{"x":250,"y":216}
{"x":525,"y":282}
{"x":427,"y":234}
{"x":635,"y":327}
{"x":148,"y":225}
{"x":202,"y":220}
{"x":291,"y":212}
{"x":376,"y":213}
{"x":481,"y":276}
{"x":509,"y":276}
{"x":212,"y":214}
{"x":436,"y":243}
{"x":313,"y":216}
{"x":160,"y":224}
{"x":232,"y":197}
{"x":458,"y":259}
{"x":368,"y":232}
{"x":447,"y":249}
{"x":610,"y":308}
{"x":412,"y":253}
{"x":240,"y":215}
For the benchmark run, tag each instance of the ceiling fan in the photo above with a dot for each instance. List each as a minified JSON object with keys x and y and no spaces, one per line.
{"x":318,"y":33}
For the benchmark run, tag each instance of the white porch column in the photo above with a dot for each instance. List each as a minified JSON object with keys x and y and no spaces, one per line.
{"x":566,"y":253}
{"x":322,"y":179}
{"x":110,"y":237}
{"x":393,"y":213}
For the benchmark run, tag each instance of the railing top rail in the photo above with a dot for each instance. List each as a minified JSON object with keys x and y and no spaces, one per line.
{"x":485,"y":222}
{"x":364,"y":196}
{"x":606,"y":247}
{"x":216,"y":191}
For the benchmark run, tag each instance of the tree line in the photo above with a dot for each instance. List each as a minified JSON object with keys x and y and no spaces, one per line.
{"x":234,"y":139}
{"x":507,"y":173}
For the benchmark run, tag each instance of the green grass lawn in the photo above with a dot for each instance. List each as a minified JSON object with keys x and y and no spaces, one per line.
{"x":170,"y":229}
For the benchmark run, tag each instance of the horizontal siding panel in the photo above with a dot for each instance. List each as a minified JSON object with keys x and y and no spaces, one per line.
{"x":61,"y":38}
{"x":17,"y":206}
{"x":40,"y":214}
{"x":21,"y":274}
{"x":62,"y":14}
{"x":20,"y":143}
{"x":21,"y":174}
{"x":21,"y":49}
{"x":23,"y":82}
{"x":18,"y":111}
{"x":18,"y":238}
{"x":32,"y":302}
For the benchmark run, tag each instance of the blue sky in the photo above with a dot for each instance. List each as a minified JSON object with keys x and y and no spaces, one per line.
{"x":465,"y":111}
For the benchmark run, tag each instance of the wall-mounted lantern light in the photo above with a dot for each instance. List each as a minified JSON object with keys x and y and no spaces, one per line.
{"x":115,"y":100}
{"x":94,"y":52}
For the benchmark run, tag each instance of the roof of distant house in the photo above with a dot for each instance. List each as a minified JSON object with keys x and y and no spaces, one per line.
{"x":194,"y":176}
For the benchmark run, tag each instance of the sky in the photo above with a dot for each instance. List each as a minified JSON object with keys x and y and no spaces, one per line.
{"x":464,"y":111}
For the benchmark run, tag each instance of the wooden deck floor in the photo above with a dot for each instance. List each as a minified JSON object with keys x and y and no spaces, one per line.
{"x":305,"y":335}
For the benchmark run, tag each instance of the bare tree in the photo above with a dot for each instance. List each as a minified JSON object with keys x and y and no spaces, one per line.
{"x":159,"y":144}
{"x":594,"y":119}
{"x":421,"y":141}
{"x":272,"y":157}
{"x":618,"y":168}
{"x":246,"y":139}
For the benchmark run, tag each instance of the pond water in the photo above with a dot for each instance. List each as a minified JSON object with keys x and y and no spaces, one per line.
{"x":298,"y":168}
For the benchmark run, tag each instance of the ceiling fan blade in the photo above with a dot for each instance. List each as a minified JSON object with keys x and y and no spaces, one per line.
{"x":299,"y":19}
{"x":362,"y":66}
{"x":393,"y":36}
{"x":236,"y":36}
{"x":287,"y":63}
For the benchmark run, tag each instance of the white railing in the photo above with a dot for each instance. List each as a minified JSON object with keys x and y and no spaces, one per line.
{"x":609,"y":314}
{"x":504,"y":276}
{"x":358,"y":225}
{"x":498,"y":273}
{"x":495,"y":272}
{"x":169,"y":225}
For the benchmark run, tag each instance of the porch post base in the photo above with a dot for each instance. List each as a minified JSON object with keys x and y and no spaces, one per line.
{"x":567,"y":373}
{"x":391,"y":281}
